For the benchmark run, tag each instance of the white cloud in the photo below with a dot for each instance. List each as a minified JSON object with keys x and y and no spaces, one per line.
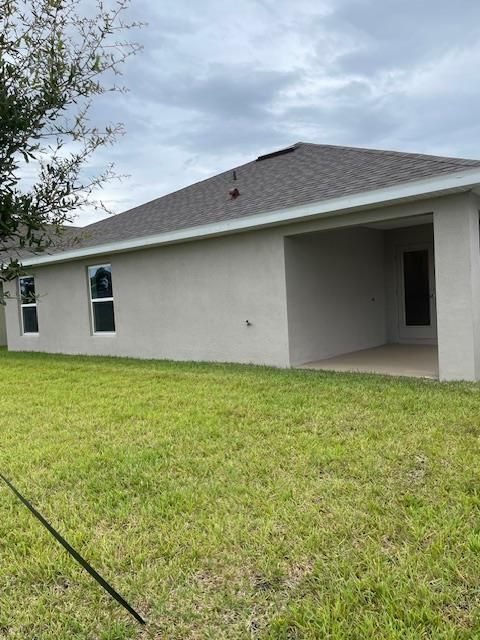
{"x":220,"y":82}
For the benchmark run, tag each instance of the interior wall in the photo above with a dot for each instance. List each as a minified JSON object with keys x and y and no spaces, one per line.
{"x":394,"y":239}
{"x":335,"y":293}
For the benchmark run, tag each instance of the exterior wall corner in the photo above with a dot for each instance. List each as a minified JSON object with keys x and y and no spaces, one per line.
{"x":457,"y":267}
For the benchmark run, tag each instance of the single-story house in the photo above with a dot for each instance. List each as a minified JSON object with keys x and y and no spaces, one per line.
{"x":317,"y":255}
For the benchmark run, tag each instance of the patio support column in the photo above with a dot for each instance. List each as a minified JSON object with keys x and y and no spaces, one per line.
{"x":457,"y":275}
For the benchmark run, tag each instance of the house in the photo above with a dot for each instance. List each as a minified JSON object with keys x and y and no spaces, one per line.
{"x":319,"y":254}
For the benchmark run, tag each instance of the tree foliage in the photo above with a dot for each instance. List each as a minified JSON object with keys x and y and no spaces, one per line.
{"x":56,"y":57}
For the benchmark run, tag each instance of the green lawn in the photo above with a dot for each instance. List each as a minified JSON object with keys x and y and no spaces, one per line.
{"x":237,"y":502}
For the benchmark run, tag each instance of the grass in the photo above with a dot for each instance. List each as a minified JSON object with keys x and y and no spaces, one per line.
{"x":237,"y":502}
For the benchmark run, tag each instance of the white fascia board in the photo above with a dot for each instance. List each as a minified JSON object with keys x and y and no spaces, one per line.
{"x":451,"y":182}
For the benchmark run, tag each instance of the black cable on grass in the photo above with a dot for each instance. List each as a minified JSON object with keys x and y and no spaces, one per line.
{"x":109,"y":589}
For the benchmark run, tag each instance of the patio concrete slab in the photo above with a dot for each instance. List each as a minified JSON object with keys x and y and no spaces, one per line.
{"x":414,"y":360}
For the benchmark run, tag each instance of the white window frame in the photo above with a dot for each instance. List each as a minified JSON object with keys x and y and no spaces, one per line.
{"x":92,"y":300}
{"x":26,"y":305}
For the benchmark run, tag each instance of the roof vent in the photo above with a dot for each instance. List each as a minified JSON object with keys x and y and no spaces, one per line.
{"x":274,"y":154}
{"x":234,"y":193}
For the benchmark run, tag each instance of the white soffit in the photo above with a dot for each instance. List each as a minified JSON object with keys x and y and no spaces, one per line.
{"x":410,"y":221}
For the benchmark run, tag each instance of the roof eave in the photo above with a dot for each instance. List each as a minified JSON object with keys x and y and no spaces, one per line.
{"x":440,"y":185}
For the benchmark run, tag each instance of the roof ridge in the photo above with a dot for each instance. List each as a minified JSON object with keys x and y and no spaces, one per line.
{"x":392,"y":152}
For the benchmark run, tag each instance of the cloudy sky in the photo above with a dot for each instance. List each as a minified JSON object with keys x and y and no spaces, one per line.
{"x":221,"y":81}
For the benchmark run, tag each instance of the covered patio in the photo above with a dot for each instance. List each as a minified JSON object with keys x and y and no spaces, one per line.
{"x":392,"y":291}
{"x":363,"y":298}
{"x":417,"y":361}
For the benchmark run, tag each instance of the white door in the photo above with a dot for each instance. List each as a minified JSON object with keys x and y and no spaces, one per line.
{"x":416,"y":293}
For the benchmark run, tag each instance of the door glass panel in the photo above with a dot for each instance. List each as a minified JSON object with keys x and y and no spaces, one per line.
{"x":416,"y":288}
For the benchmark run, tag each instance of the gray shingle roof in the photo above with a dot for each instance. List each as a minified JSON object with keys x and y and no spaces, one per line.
{"x":67,"y":239}
{"x":310,"y":173}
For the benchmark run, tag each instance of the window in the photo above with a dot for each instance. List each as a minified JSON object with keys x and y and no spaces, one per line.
{"x":28,"y":305}
{"x":101,"y":297}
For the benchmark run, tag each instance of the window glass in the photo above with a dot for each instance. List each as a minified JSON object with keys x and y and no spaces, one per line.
{"x":101,"y":298}
{"x":103,"y":316}
{"x":27,"y":289}
{"x":30,"y":321}
{"x":100,"y":281}
{"x":28,"y":305}
{"x":416,"y":288}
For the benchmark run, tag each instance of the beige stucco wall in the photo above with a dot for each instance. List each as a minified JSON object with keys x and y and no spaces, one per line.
{"x":185,"y":302}
{"x":457,"y":272}
{"x":335,"y":293}
{"x":3,"y":324}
